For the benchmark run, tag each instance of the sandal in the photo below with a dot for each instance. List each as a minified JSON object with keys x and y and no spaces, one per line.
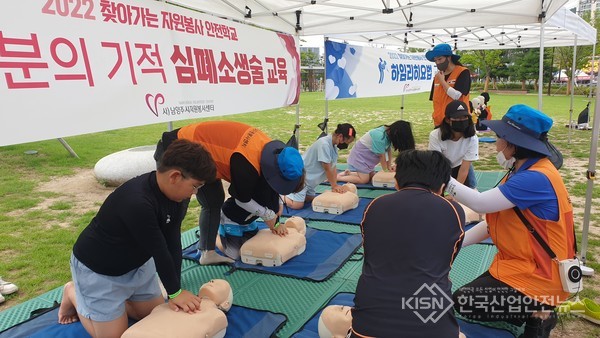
{"x":584,"y":308}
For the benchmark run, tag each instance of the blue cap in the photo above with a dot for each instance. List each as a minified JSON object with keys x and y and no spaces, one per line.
{"x":443,"y":49}
{"x":523,"y":126}
{"x":281,"y":166}
{"x":290,"y":163}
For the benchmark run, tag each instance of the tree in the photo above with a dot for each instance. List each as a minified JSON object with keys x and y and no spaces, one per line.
{"x":563,"y":57}
{"x":526,"y":66}
{"x":484,"y":60}
{"x":309,"y":59}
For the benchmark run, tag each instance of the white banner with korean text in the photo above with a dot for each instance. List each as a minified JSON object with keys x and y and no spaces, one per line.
{"x":359,"y":71}
{"x":71,"y":67}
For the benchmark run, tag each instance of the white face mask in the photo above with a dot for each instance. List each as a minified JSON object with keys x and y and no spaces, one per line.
{"x":503,"y":161}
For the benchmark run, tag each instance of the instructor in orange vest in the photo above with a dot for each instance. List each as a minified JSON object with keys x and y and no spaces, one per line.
{"x":452,"y":81}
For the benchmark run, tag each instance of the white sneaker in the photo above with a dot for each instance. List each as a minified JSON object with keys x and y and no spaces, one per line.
{"x":1,"y":299}
{"x":6,"y":288}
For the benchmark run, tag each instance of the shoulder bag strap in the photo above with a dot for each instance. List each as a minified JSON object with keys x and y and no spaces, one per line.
{"x":534,"y":233}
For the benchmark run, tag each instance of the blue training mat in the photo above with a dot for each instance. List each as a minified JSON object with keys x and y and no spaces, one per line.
{"x":326,"y":252}
{"x":243,"y":322}
{"x":353,"y":216}
{"x":471,"y":330}
{"x":487,"y":139}
{"x":474,"y":330}
{"x":192,"y":252}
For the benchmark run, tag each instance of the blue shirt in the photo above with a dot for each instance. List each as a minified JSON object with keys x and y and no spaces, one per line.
{"x":529,"y":189}
{"x":322,"y":151}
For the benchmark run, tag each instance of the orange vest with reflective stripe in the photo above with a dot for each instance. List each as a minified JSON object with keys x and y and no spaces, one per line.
{"x":521,"y":262}
{"x":441,"y":99}
{"x":223,"y":138}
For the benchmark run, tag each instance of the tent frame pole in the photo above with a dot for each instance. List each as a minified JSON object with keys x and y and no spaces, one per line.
{"x":573,"y":82}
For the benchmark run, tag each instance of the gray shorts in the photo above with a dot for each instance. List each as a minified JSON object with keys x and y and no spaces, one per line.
{"x":101,"y":298}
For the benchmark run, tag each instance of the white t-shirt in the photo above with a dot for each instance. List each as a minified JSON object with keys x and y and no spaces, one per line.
{"x":466,"y":149}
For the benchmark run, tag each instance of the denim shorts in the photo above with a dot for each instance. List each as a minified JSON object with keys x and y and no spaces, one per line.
{"x":299,"y":196}
{"x":102,"y":298}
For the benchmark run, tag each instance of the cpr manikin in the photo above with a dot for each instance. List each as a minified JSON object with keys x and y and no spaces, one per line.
{"x":335,"y":321}
{"x":269,"y":249}
{"x":384,"y":179}
{"x":335,"y":203}
{"x":210,"y":321}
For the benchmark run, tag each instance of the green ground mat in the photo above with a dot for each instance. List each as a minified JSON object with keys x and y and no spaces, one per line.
{"x":297,"y":299}
{"x":486,"y":180}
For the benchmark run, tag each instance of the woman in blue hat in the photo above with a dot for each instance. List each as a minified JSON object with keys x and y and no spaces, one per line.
{"x":452,"y":81}
{"x":529,"y":217}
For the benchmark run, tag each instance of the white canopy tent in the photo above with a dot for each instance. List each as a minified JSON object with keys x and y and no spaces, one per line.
{"x":559,"y":30}
{"x":325,"y":17}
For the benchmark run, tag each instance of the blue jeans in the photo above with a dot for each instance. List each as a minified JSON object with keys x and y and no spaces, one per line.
{"x":471,"y":181}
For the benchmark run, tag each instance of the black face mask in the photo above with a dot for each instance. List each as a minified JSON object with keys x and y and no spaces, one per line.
{"x":443,"y":66}
{"x":460,"y":126}
{"x":342,"y":146}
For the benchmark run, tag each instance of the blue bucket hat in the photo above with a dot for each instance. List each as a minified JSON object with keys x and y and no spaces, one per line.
{"x":523,"y":126}
{"x":442,"y":49}
{"x":281,"y":166}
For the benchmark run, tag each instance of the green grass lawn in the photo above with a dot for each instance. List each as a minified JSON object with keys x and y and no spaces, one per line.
{"x":36,"y":238}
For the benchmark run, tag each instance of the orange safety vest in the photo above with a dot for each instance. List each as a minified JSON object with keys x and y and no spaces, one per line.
{"x":521,"y":262}
{"x":224,"y":138}
{"x":441,"y":99}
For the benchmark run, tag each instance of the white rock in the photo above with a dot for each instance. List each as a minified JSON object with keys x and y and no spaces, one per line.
{"x":117,"y":168}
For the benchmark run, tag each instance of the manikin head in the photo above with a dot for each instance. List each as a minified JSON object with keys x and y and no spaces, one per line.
{"x":335,"y":321}
{"x":219,"y":291}
{"x":351,"y":187}
{"x":297,"y":223}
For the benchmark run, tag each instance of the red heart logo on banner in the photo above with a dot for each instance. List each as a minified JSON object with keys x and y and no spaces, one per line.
{"x":153,"y":101}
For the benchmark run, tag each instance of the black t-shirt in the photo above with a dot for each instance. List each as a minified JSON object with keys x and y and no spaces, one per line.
{"x":247,"y":184}
{"x":410,"y":240}
{"x":136,"y":222}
